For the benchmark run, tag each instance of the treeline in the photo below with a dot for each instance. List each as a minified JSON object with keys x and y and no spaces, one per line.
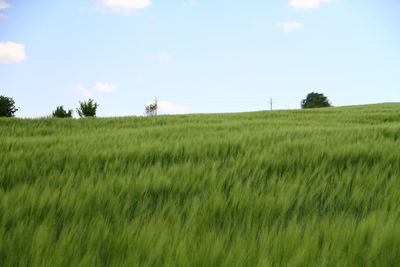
{"x":89,"y":108}
{"x":85,"y":109}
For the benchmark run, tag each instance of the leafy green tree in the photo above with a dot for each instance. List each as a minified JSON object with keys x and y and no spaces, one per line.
{"x":87,"y":108}
{"x":60,"y":112}
{"x":7,"y":106}
{"x":151,"y":109}
{"x":315,"y":100}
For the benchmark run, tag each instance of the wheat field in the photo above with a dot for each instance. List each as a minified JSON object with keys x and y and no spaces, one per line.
{"x":271,"y":188}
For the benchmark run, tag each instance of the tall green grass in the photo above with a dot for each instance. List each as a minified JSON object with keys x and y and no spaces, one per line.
{"x":284,"y":188}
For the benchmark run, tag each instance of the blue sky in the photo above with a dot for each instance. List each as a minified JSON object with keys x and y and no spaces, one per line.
{"x":197,"y":56}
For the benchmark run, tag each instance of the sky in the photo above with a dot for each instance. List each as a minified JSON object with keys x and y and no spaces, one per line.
{"x":197,"y":56}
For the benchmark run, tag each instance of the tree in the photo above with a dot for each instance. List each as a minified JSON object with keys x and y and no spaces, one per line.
{"x":315,"y":100}
{"x":87,"y":109}
{"x":151,"y":109}
{"x":7,"y":106}
{"x":60,"y":112}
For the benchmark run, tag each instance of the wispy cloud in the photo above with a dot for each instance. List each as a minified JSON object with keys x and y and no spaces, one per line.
{"x":98,"y":87}
{"x":307,"y":4}
{"x":104,"y":87}
{"x":11,"y":53}
{"x":191,"y":3}
{"x":3,"y":5}
{"x":123,"y":6}
{"x":164,"y":57}
{"x":140,"y":77}
{"x":290,"y":26}
{"x":83,"y":90}
{"x":168,"y":107}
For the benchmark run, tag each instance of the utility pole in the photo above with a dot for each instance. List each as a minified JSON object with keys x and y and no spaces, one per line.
{"x":270,"y":102}
{"x":155,"y":102}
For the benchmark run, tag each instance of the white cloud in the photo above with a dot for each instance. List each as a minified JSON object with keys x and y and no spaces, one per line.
{"x":98,"y":87}
{"x":167,"y":107}
{"x":290,"y":26}
{"x":124,"y":6}
{"x":164,"y":57}
{"x":191,"y":3}
{"x":11,"y":53}
{"x":307,"y":4}
{"x":84,"y":91}
{"x":3,"y":5}
{"x":104,"y":87}
{"x":140,"y":78}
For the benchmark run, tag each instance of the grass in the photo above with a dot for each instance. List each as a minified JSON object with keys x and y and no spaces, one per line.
{"x":283,"y":188}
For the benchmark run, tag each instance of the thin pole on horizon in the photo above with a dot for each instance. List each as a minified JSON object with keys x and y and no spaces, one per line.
{"x":155,"y":101}
{"x":270,"y":102}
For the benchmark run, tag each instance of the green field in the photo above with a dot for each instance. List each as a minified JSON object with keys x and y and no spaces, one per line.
{"x":284,"y":188}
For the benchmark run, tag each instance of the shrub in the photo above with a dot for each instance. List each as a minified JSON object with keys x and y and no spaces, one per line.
{"x":87,"y":108}
{"x":315,"y":100}
{"x":7,"y":106}
{"x":60,"y":112}
{"x":151,"y":109}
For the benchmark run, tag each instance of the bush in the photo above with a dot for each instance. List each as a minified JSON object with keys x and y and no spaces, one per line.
{"x":87,"y":109}
{"x":315,"y":100}
{"x":151,"y":109}
{"x":60,"y":112}
{"x":7,"y":106}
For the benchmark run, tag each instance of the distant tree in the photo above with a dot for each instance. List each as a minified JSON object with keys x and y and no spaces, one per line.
{"x":315,"y":100}
{"x":151,"y":109}
{"x":87,"y":109}
{"x":60,"y":112}
{"x":7,"y":106}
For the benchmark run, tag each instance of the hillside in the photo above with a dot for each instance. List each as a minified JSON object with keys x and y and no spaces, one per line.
{"x":282,"y":188}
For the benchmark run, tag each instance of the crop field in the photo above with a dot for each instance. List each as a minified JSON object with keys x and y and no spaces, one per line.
{"x":272,"y":188}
